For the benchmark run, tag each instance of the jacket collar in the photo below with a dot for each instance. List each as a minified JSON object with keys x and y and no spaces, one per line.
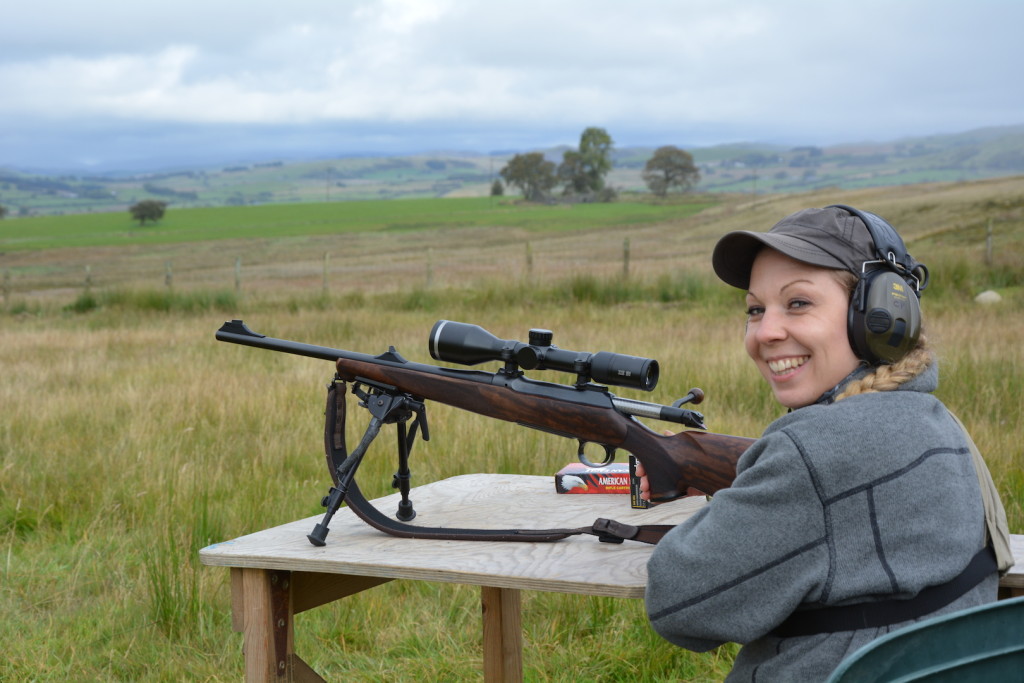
{"x":829,"y":397}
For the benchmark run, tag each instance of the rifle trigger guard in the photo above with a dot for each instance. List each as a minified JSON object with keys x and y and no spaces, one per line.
{"x":609,"y":456}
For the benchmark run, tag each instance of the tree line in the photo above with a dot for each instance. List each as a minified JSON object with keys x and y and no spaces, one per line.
{"x":581,"y":175}
{"x":582,"y":172}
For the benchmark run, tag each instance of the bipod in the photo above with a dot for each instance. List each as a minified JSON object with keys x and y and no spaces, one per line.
{"x":387,"y":405}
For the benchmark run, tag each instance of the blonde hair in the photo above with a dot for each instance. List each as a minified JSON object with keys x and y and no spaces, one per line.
{"x":887,"y":377}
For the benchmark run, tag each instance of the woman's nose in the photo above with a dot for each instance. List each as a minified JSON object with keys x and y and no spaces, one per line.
{"x":771,"y":327}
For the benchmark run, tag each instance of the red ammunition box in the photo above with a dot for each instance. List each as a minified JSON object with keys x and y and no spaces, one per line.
{"x":578,"y":478}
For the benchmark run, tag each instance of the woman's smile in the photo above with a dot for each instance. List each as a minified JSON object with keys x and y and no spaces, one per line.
{"x":782,"y":366}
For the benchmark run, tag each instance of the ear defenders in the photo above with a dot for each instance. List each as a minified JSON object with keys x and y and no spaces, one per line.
{"x":884,"y":320}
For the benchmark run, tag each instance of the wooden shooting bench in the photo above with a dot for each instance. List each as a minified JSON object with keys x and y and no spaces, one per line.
{"x":277,"y":573}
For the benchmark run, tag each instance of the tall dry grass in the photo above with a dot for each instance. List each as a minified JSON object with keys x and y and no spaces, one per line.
{"x":131,"y":441}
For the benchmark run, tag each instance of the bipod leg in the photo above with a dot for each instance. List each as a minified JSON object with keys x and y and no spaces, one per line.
{"x":402,"y":476}
{"x":408,"y":407}
{"x":346,"y":472}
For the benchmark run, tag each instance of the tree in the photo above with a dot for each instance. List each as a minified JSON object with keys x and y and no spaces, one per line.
{"x":670,"y":167}
{"x":3,"y":211}
{"x":572,"y":174}
{"x":532,"y":174}
{"x":595,"y":151}
{"x":148,"y":210}
{"x":497,"y":189}
{"x":583,"y":170}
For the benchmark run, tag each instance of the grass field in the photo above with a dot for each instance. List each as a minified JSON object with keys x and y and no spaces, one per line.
{"x":278,"y":221}
{"x":131,"y":439}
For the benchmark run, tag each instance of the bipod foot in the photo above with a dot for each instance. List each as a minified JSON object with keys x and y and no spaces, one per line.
{"x":318,"y":537}
{"x":405,"y":512}
{"x":332,"y":502}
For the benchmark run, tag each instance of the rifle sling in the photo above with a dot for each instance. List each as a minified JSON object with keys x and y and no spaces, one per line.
{"x":607,"y":530}
{"x":334,"y":428}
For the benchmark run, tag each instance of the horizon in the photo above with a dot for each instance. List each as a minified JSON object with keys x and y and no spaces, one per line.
{"x":297,"y":157}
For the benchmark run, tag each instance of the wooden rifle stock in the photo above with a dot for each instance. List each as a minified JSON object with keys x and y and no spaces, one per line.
{"x":701,"y":460}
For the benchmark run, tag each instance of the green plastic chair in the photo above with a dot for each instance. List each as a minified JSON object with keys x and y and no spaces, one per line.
{"x":983,"y":643}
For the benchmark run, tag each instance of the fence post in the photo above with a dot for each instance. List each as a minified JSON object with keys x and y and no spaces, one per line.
{"x":529,"y":259}
{"x":238,"y":274}
{"x":625,"y":258}
{"x":168,"y":275}
{"x":7,"y":286}
{"x":88,"y":279}
{"x":430,"y":267}
{"x":988,"y":244}
{"x":327,"y":260}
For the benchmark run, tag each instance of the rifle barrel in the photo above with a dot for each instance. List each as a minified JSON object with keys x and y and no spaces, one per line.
{"x":237,"y":332}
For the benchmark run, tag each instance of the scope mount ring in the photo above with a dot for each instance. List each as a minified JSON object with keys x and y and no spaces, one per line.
{"x":609,"y":456}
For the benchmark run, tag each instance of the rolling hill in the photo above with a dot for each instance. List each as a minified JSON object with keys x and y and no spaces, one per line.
{"x":748,"y":168}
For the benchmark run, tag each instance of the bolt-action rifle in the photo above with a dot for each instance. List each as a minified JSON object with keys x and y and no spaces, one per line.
{"x":394,"y":391}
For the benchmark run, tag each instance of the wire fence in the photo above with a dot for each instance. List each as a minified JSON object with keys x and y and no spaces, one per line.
{"x":351,"y":263}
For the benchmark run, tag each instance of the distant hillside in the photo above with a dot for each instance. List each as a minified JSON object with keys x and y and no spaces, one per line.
{"x":749,"y":168}
{"x":754,"y":168}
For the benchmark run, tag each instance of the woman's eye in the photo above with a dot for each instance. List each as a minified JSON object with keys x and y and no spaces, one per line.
{"x":754,"y":311}
{"x":799,"y":303}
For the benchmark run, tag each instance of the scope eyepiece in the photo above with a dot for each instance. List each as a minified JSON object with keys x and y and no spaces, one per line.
{"x":467,"y":344}
{"x":625,"y":371}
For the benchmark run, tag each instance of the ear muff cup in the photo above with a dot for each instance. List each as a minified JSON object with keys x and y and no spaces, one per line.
{"x":884,"y":321}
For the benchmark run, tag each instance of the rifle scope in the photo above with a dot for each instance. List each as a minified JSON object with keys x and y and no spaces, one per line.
{"x":471,"y":344}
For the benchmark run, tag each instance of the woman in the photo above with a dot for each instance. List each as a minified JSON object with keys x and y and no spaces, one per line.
{"x":859,"y":506}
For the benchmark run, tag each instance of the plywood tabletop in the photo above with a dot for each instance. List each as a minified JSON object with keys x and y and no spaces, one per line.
{"x":1015,"y":577}
{"x":579,"y":564}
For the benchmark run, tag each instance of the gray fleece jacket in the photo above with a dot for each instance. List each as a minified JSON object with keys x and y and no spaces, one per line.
{"x":870,"y":498}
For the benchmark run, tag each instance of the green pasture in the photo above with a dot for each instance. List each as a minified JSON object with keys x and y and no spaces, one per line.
{"x":295,"y":220}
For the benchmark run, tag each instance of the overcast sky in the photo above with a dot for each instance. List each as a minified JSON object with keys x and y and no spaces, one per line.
{"x":124,"y":83}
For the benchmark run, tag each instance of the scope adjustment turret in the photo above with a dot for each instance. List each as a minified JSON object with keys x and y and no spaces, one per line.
{"x":541,"y":337}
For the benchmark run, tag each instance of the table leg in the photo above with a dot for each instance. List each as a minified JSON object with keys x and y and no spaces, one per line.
{"x":1010,"y":592}
{"x":503,"y":635}
{"x":267,"y":622}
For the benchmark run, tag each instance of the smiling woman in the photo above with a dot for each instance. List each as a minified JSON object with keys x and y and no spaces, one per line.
{"x":858,"y":511}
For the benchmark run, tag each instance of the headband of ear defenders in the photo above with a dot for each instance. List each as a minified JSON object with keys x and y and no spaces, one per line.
{"x":890,"y":249}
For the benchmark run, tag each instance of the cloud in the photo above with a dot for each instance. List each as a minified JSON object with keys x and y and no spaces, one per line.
{"x":688,"y":71}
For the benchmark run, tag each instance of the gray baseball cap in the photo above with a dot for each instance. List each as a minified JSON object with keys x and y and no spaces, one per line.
{"x":830,"y":237}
